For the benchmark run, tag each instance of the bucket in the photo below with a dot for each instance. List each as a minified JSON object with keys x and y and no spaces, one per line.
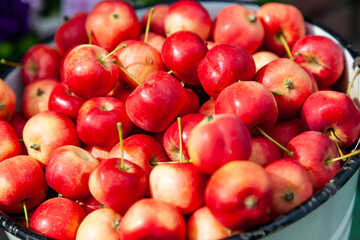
{"x":326,"y":215}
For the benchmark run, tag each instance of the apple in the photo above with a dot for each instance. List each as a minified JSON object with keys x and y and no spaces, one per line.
{"x":45,"y":132}
{"x":40,"y":61}
{"x":321,"y":56}
{"x":191,"y":103}
{"x":7,"y":101}
{"x":290,"y":82}
{"x":63,"y":100}
{"x":263,"y":151}
{"x":36,"y":96}
{"x":111,"y":22}
{"x":71,"y":33}
{"x":101,"y":224}
{"x":281,"y":20}
{"x":117,"y":186}
{"x":27,"y":186}
{"x":153,"y":219}
{"x":208,"y":107}
{"x":99,"y":153}
{"x":217,"y":140}
{"x":261,"y":58}
{"x":223,"y":65}
{"x":312,"y":149}
{"x":188,"y":15}
{"x":157,"y":24}
{"x":96,"y":76}
{"x":90,"y":204}
{"x":292,"y":186}
{"x":68,"y":169}
{"x":9,"y":141}
{"x":285,"y":130}
{"x":182,"y":52}
{"x":153,"y":39}
{"x":57,"y":218}
{"x":239,"y":194}
{"x":181,"y":184}
{"x":154,"y":105}
{"x":240,"y":26}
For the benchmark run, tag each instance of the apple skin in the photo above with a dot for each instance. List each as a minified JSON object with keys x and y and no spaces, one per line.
{"x":68,"y":169}
{"x":36,"y":97}
{"x":7,"y":101}
{"x":40,"y":61}
{"x":223,"y":65}
{"x":141,"y":149}
{"x":112,"y":22}
{"x":153,"y":219}
{"x":101,"y":224}
{"x":9,"y":142}
{"x":97,"y":120}
{"x":99,"y":153}
{"x":116,"y":188}
{"x":311,"y":149}
{"x":263,"y":151}
{"x":325,"y":58}
{"x":71,"y":33}
{"x":240,"y":26}
{"x":63,"y":100}
{"x":182,"y":185}
{"x":155,"y":40}
{"x":208,"y":107}
{"x":92,"y":77}
{"x":281,"y":18}
{"x":157,"y":24}
{"x":285,"y":130}
{"x":324,"y":111}
{"x":217,"y":140}
{"x":45,"y":132}
{"x":139,"y":59}
{"x":154,"y":105}
{"x":286,"y":77}
{"x":250,"y":101}
{"x":191,"y":103}
{"x":239,"y":195}
{"x":261,"y":58}
{"x":292,"y":186}
{"x":203,"y":225}
{"x":188,"y":15}
{"x":182,"y":52}
{"x":90,"y":204}
{"x":171,"y":141}
{"x":57,"y":218}
{"x":27,"y":185}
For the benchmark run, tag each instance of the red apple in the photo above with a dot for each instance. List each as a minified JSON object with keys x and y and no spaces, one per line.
{"x":153,"y":219}
{"x":263,"y":151}
{"x":262,"y":58}
{"x":240,"y":26}
{"x":188,"y":15}
{"x":99,"y":153}
{"x":285,"y":130}
{"x":208,"y":107}
{"x":7,"y":101}
{"x":57,"y":218}
{"x":191,"y":103}
{"x":223,"y":65}
{"x":217,"y":140}
{"x":116,"y":187}
{"x":71,"y":33}
{"x":17,"y":187}
{"x":68,"y":169}
{"x":157,"y":24}
{"x":239,"y":195}
{"x":90,"y":204}
{"x":322,"y":57}
{"x":96,"y":76}
{"x":292,"y":186}
{"x":9,"y":141}
{"x":36,"y":96}
{"x":101,"y":224}
{"x":97,"y":120}
{"x":112,"y":22}
{"x":155,"y":40}
{"x":45,"y":132}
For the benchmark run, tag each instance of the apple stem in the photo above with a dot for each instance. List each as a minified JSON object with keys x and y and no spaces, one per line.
{"x":276,"y":93}
{"x":126,"y":72}
{"x":35,"y":146}
{"x":119,"y":127}
{"x":352,"y":81}
{"x":286,"y":45}
{"x":26,"y":214}
{"x":343,"y":157}
{"x":274,"y":141}
{"x":334,"y":138}
{"x":112,"y":52}
{"x":309,"y":58}
{"x":148,"y":24}
{"x":170,"y":72}
{"x":180,"y":139}
{"x":90,"y":37}
{"x":66,"y":18}
{"x":11,"y":64}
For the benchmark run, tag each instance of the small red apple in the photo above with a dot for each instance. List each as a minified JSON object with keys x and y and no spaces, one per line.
{"x":7,"y":101}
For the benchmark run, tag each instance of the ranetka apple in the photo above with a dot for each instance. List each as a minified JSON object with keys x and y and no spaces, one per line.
{"x":261,"y":58}
{"x":157,"y":19}
{"x":263,"y":151}
{"x":217,"y":140}
{"x":285,"y":130}
{"x":9,"y":141}
{"x":155,"y":40}
{"x":7,"y":101}
{"x":191,"y":103}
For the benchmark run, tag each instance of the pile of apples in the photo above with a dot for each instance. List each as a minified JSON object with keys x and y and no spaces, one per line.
{"x":172,"y":126}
